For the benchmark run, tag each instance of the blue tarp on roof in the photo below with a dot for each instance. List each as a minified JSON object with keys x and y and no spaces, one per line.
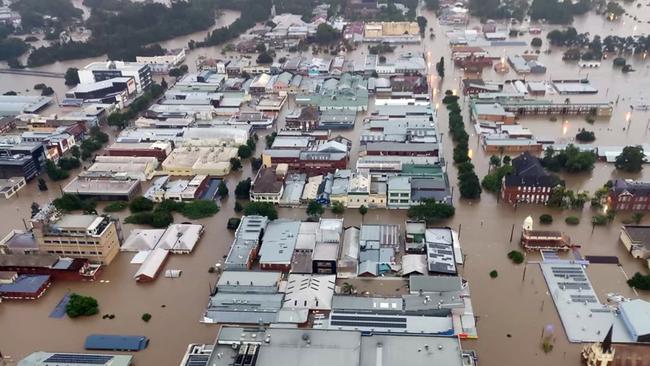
{"x":116,"y":342}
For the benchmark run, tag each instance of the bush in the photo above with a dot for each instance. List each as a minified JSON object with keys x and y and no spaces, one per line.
{"x":256,"y":163}
{"x":81,"y":306}
{"x":199,"y":209}
{"x":141,"y":204}
{"x":585,"y":136}
{"x":242,"y":191}
{"x":516,"y":257}
{"x":222,"y":189}
{"x":244,"y":151}
{"x":546,"y":219}
{"x":116,"y":206}
{"x":146,"y":317}
{"x":69,"y":163}
{"x":55,"y":173}
{"x":599,"y":220}
{"x":494,"y":273}
{"x":536,"y":42}
{"x":235,"y":164}
{"x":238,"y":207}
{"x":572,"y":220}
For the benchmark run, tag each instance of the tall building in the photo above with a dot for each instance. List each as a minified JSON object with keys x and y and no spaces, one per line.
{"x":529,"y":181}
{"x":100,"y":71}
{"x":78,"y":236}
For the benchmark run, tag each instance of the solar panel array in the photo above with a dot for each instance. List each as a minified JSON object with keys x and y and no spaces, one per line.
{"x":78,"y":358}
{"x":368,"y":321}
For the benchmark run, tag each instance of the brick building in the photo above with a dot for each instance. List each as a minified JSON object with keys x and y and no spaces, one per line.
{"x":529,"y":181}
{"x":629,"y":195}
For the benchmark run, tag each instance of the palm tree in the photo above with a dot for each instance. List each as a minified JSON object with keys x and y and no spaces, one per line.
{"x":637,"y":217}
{"x":363,"y":210}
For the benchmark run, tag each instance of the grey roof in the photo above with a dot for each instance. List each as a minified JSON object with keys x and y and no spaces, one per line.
{"x":381,"y":304}
{"x":434,"y":284}
{"x":401,"y":147}
{"x":637,"y":313}
{"x":25,"y":284}
{"x":247,"y":238}
{"x":289,"y":347}
{"x":638,"y":234}
{"x":240,"y":308}
{"x":383,"y":322}
{"x":399,"y":183}
{"x":394,"y":350}
{"x":368,"y":267}
{"x":440,"y":251}
{"x":381,"y":235}
{"x":249,"y":282}
{"x":309,"y":291}
{"x":279,"y":242}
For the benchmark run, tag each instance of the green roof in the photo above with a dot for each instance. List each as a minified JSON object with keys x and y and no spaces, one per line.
{"x":415,"y":170}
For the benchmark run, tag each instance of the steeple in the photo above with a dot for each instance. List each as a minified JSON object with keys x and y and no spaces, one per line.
{"x":607,"y":342}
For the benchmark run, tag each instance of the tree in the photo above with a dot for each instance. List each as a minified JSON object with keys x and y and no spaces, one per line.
{"x":35,"y":208}
{"x":639,"y":281}
{"x":54,"y":172}
{"x":71,"y":76}
{"x":235,"y":164}
{"x":256,"y":163}
{"x":637,"y":217}
{"x":75,"y":151}
{"x":222,"y":189}
{"x":506,"y":160}
{"x":146,"y":317}
{"x":631,"y":159}
{"x":243,"y":189}
{"x":431,"y":211}
{"x":199,"y":209}
{"x":69,"y":163}
{"x":536,"y":42}
{"x":163,"y":84}
{"x":422,"y":23}
{"x":337,"y":207}
{"x":47,"y":91}
{"x":264,"y":58}
{"x":440,"y":67}
{"x":261,"y":208}
{"x":495,"y":161}
{"x":117,"y":119}
{"x":79,"y":305}
{"x":315,"y":209}
{"x":599,"y":220}
{"x":270,"y":138}
{"x":260,"y":47}
{"x":42,"y":186}
{"x":494,"y":273}
{"x":72,"y":202}
{"x":347,"y":288}
{"x":116,"y":206}
{"x":363,"y":210}
{"x":140,"y":204}
{"x":244,"y":151}
{"x":326,"y":34}
{"x":469,"y":187}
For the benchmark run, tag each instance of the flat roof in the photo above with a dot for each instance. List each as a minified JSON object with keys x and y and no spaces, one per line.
{"x":279,"y":241}
{"x":76,"y":221}
{"x":395,"y":350}
{"x":246,"y":279}
{"x":116,"y":342}
{"x":75,"y":359}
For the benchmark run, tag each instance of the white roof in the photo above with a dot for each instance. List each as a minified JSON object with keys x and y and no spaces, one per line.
{"x":306,"y":291}
{"x":180,"y":237}
{"x":638,"y":314}
{"x":142,"y":239}
{"x":414,"y":263}
{"x":150,"y":267}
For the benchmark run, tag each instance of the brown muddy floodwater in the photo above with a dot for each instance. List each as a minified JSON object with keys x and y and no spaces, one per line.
{"x":511,"y":310}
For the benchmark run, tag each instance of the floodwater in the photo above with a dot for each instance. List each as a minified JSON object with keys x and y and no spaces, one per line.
{"x":512,"y":310}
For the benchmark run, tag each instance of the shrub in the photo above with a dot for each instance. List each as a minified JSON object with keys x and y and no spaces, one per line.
{"x":494,"y":273}
{"x":81,"y":306}
{"x":238,"y":207}
{"x":140,"y":204}
{"x":639,"y":281}
{"x":572,"y":220}
{"x":233,"y":223}
{"x":146,"y":317}
{"x":546,"y":219}
{"x":599,"y":220}
{"x":585,"y":136}
{"x":72,"y":202}
{"x":116,"y":206}
{"x":337,"y":207}
{"x":516,"y":257}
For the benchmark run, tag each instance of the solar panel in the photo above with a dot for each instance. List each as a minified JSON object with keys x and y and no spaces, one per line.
{"x":86,"y":359}
{"x":365,"y":318}
{"x":197,"y":360}
{"x":368,"y":324}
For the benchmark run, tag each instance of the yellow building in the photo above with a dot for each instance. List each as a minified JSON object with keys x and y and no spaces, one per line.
{"x":390,"y":29}
{"x":77,"y":236}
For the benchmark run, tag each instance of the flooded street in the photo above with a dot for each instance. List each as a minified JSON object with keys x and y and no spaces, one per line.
{"x":512,"y":309}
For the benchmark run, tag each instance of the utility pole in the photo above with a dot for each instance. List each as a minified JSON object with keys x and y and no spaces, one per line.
{"x":512,"y":232}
